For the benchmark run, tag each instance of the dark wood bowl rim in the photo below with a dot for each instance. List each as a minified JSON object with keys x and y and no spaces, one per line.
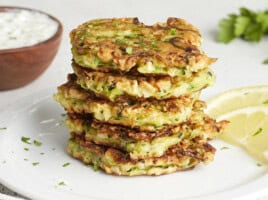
{"x":35,"y":46}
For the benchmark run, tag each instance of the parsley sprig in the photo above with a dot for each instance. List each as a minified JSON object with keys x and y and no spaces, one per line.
{"x":249,"y":25}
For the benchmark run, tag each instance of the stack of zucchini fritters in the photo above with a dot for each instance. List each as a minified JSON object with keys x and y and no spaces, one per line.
{"x":133,"y":100}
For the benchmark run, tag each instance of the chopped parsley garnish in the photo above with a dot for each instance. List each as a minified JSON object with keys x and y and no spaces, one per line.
{"x":265,"y":102}
{"x":257,"y":132}
{"x":26,"y":140}
{"x":63,"y":114}
{"x":61,"y":183}
{"x":154,"y":45}
{"x":224,"y":148}
{"x":96,"y":168}
{"x":35,"y":163}
{"x":180,"y":134}
{"x":26,"y":149}
{"x":259,"y":164}
{"x":37,"y":143}
{"x":129,"y":50}
{"x":3,"y":128}
{"x":121,"y":42}
{"x":42,"y":153}
{"x":65,"y":164}
{"x":25,"y":159}
{"x":172,"y":31}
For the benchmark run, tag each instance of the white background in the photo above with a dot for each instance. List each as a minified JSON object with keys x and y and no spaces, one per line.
{"x":239,"y":63}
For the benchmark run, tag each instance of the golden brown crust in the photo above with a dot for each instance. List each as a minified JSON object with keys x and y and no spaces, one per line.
{"x":72,"y":90}
{"x":205,"y":125}
{"x":184,"y":148}
{"x":147,"y":115}
{"x":114,"y":85}
{"x":171,"y":44}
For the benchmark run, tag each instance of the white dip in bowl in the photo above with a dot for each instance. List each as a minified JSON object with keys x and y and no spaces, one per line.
{"x":22,"y":28}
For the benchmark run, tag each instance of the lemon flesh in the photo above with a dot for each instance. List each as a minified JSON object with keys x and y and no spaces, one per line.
{"x":236,"y":99}
{"x":248,"y":128}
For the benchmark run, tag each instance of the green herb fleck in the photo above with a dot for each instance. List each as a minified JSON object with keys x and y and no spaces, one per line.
{"x":140,"y":42}
{"x":25,"y":140}
{"x":37,"y":143}
{"x":224,"y":148}
{"x":257,"y":132}
{"x":3,"y":128}
{"x":63,"y":114}
{"x":26,"y":149}
{"x":62,"y":183}
{"x":131,"y":36}
{"x":265,"y":61}
{"x":96,"y":168}
{"x":172,"y":31}
{"x":121,"y":42}
{"x":35,"y":163}
{"x":180,"y":134}
{"x":265,"y":102}
{"x":42,"y":153}
{"x":25,"y":159}
{"x":259,"y":164}
{"x":154,"y":45}
{"x":129,"y":50}
{"x":65,"y":164}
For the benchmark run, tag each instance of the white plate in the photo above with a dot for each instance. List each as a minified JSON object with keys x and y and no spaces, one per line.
{"x":232,"y":174}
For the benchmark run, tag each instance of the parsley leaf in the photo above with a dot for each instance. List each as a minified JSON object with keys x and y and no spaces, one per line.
{"x":257,"y":132}
{"x":265,"y":61}
{"x":25,"y":140}
{"x":226,"y":32}
{"x":240,"y":26}
{"x":61,"y":183}
{"x":35,"y":163}
{"x":65,"y":164}
{"x":3,"y":128}
{"x":37,"y":143}
{"x":248,"y":25}
{"x":253,"y":33}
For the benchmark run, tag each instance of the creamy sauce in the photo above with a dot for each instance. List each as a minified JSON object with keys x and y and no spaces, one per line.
{"x":21,"y":28}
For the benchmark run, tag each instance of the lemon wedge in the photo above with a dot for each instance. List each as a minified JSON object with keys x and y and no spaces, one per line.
{"x":248,"y":128}
{"x":236,"y":99}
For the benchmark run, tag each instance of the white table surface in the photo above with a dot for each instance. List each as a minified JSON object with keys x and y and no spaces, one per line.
{"x":204,"y":14}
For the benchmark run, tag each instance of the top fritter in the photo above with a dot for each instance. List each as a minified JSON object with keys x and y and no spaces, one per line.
{"x":125,"y":44}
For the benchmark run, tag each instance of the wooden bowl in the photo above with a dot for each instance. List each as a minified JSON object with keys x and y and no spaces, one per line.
{"x":20,"y":66}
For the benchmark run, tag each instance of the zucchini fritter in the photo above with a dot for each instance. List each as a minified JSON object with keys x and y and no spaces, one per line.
{"x":143,"y":144}
{"x":146,"y":115}
{"x":183,"y":156}
{"x":112,"y":85}
{"x":121,"y":44}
